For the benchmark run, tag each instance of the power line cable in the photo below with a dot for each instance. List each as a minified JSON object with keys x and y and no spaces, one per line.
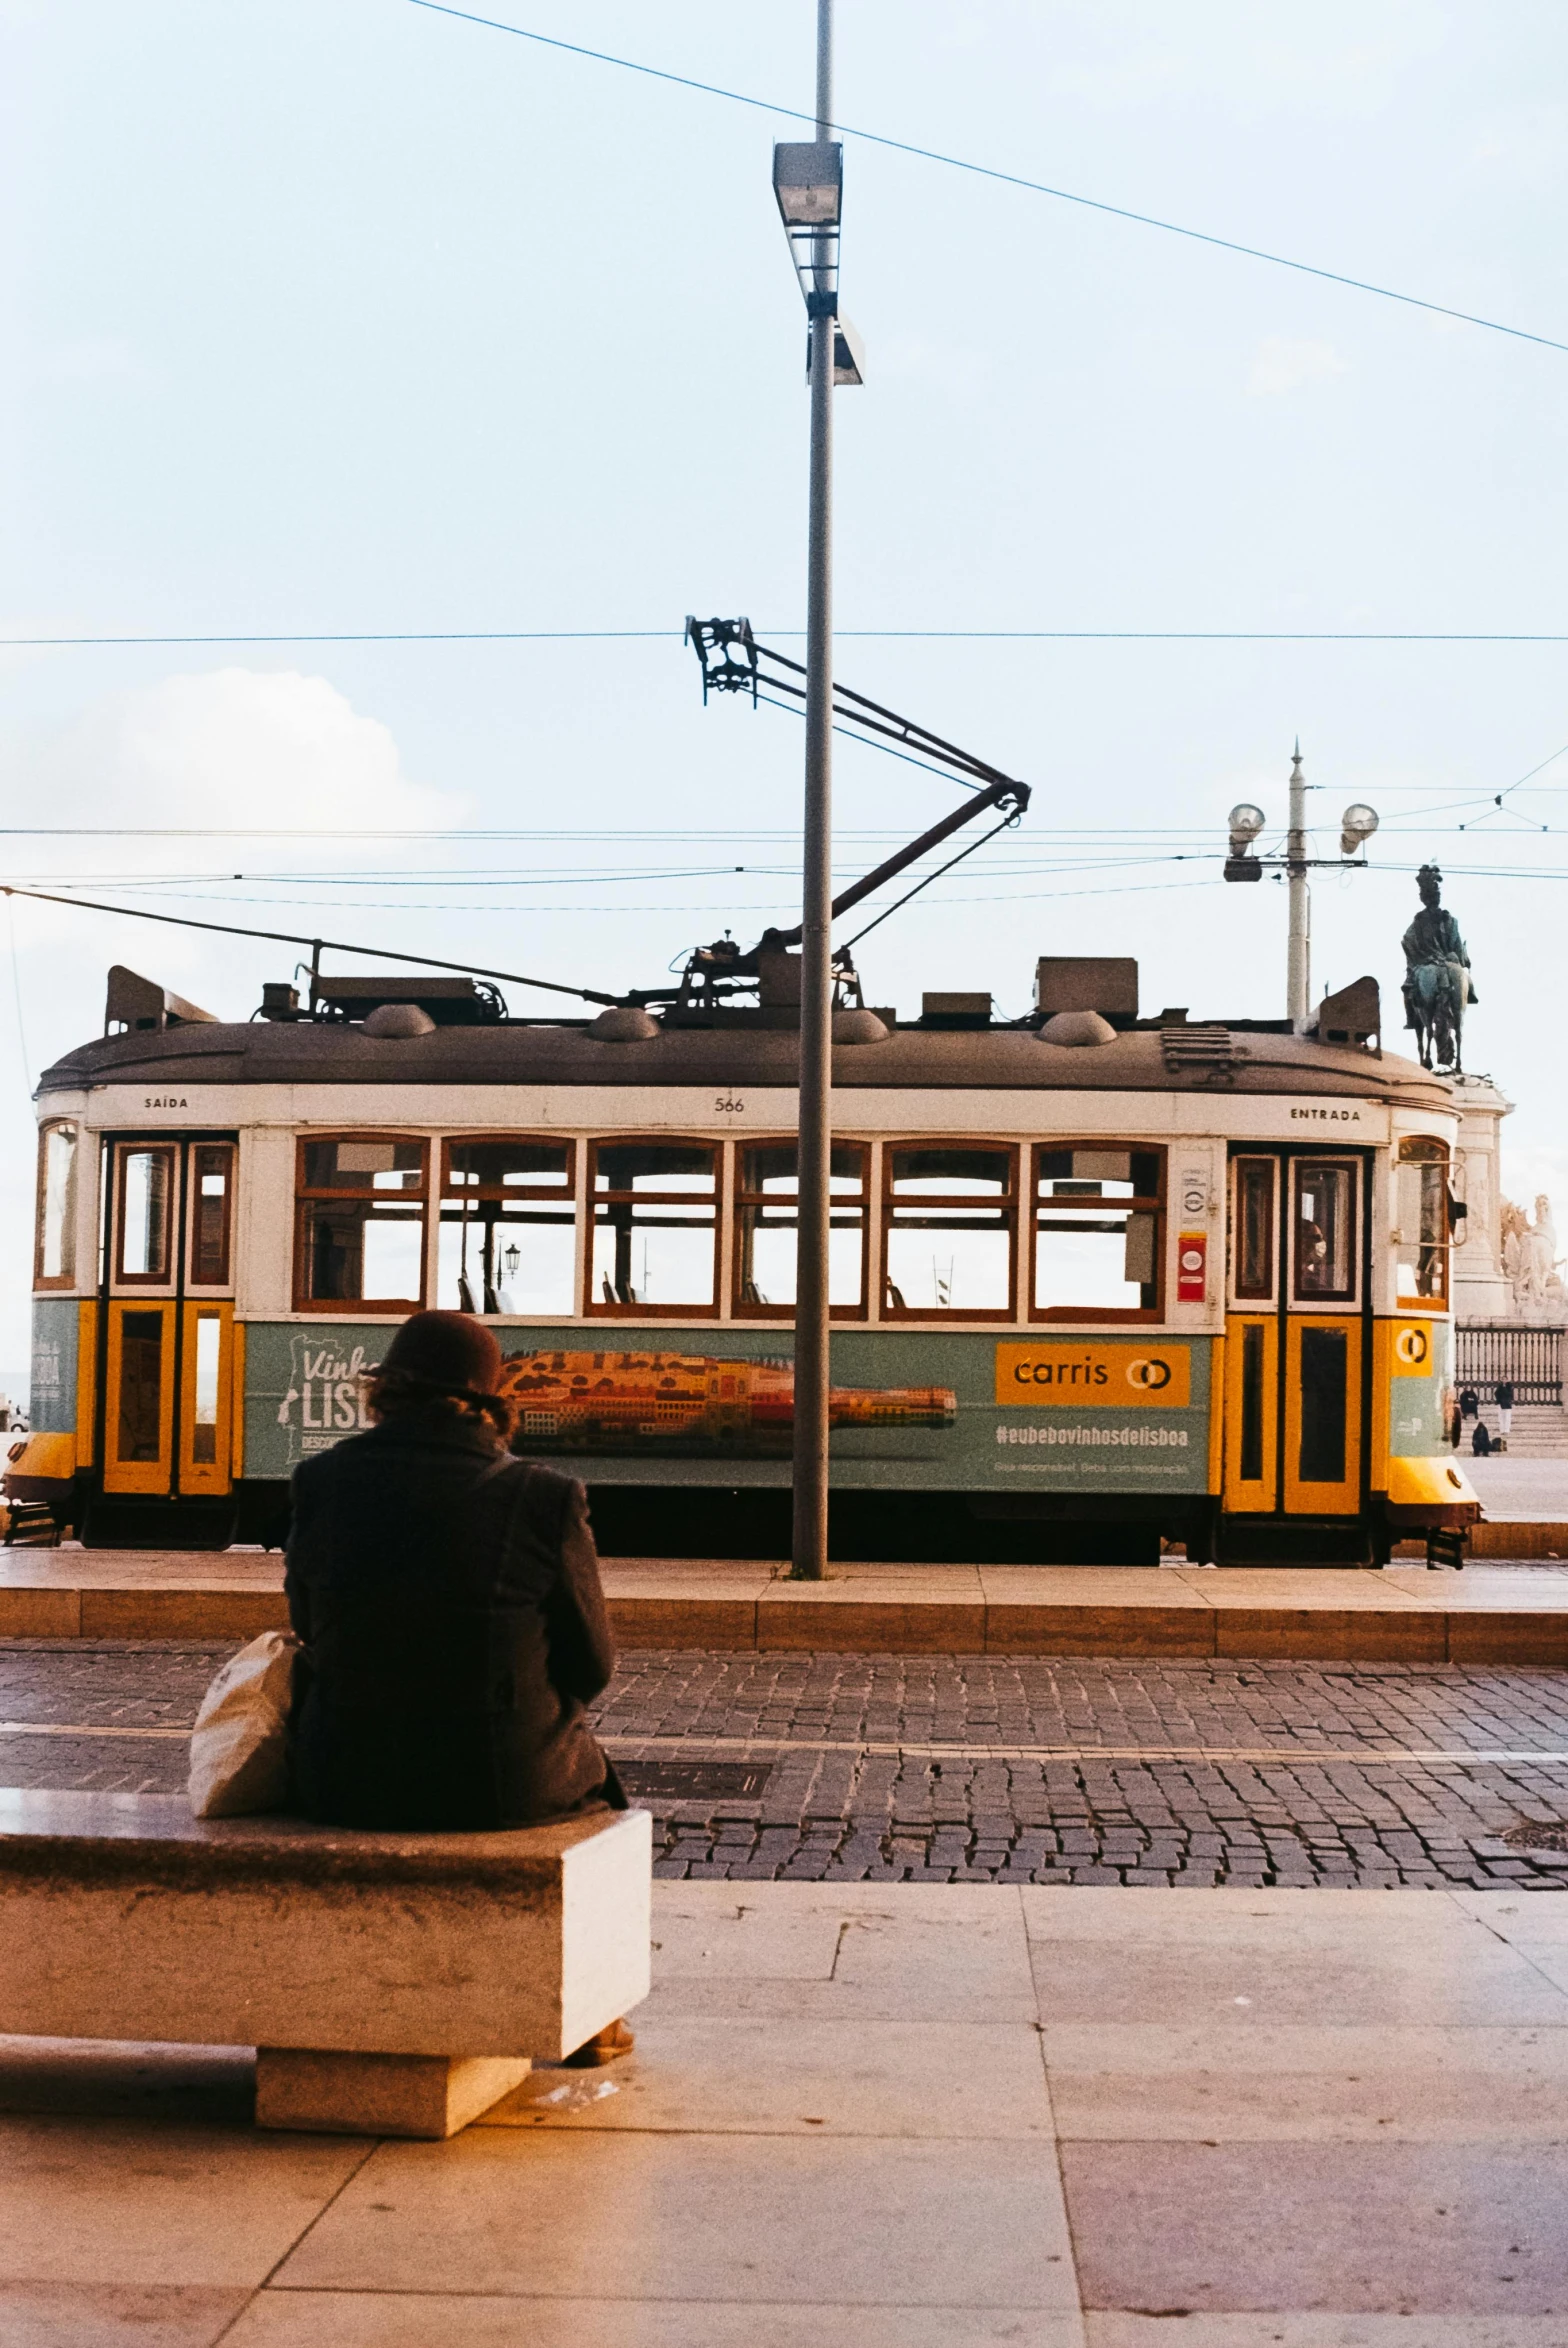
{"x":289,"y":938}
{"x":1534,"y":771}
{"x":1034,"y":187}
{"x":841,"y":635}
{"x":371,"y":636}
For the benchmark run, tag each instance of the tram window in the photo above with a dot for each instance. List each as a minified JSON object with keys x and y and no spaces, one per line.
{"x":1325,"y":1231}
{"x":1254,"y":1229}
{"x":145,"y":1214}
{"x":767,"y":1224}
{"x":1324,"y":1354}
{"x":352,"y":1166}
{"x":949,"y":1230}
{"x":508,"y":1241}
{"x":139,"y":1418}
{"x":1421,"y":1216}
{"x":361,"y":1228}
{"x":655,"y":1227}
{"x":1252,"y":1402}
{"x":204,"y":1427}
{"x":54,"y":1259}
{"x":1097,"y":1234}
{"x":211,"y":1213}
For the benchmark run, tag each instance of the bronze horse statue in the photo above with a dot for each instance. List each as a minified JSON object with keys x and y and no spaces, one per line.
{"x":1438,"y":984}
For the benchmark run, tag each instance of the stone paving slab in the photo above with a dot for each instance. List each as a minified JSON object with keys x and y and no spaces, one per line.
{"x":1487,"y":1614}
{"x":1333,"y":2128}
{"x":1521,"y":1490}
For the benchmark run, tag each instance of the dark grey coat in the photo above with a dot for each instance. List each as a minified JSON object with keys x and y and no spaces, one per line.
{"x":454,"y":1627}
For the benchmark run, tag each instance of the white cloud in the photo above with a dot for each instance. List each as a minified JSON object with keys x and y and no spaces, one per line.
{"x":245,"y":746}
{"x":234,"y":748}
{"x":231,"y":748}
{"x":1280,"y":365}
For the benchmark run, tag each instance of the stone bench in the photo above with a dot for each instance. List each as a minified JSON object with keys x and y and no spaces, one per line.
{"x":392,"y":1984}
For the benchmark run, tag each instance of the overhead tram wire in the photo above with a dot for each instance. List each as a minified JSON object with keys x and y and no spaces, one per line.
{"x":1500,"y":796}
{"x":859,"y":635}
{"x":1104,"y":831}
{"x":1013,"y":179}
{"x":320,"y":945}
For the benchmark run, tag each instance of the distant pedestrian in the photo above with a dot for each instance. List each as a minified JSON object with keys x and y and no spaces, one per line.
{"x":1505,"y":1413}
{"x":1480,"y":1441}
{"x":1469,"y":1402}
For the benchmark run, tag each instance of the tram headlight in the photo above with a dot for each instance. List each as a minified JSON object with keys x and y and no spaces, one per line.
{"x":1357,"y":825}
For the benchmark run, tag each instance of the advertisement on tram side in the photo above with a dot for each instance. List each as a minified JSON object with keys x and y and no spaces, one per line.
{"x":946,"y":1410}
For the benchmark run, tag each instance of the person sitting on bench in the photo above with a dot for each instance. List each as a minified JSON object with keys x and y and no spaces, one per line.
{"x":451,"y":1619}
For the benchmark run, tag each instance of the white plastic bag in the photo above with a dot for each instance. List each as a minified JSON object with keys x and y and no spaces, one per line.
{"x":239,"y":1754}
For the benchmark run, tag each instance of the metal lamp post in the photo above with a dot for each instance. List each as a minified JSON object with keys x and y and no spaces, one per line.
{"x":1298,"y":957}
{"x":808,"y":181}
{"x":1357,"y":825}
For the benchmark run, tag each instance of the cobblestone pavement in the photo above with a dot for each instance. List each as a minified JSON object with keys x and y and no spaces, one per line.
{"x":968,"y":1769}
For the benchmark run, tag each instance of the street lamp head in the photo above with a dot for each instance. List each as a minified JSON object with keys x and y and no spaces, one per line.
{"x":1245,"y":821}
{"x":808,"y":180}
{"x":1357,"y":825}
{"x":849,"y":353}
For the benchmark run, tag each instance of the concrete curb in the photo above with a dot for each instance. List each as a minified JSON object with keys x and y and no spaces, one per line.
{"x":847,"y":1620}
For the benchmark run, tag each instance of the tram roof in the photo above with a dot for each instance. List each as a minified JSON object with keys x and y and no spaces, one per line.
{"x":912,"y":1058}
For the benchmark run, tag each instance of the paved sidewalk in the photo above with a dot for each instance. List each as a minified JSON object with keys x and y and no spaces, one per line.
{"x":862,"y":2119}
{"x":1514,"y":1491}
{"x":1489,"y":1614}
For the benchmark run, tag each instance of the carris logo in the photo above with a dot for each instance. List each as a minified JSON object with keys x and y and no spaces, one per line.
{"x":1103,"y":1375}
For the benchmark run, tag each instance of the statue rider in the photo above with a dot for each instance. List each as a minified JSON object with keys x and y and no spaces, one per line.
{"x":1431,"y":944}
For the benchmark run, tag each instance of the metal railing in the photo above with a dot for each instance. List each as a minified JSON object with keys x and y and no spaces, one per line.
{"x":1487,"y":1354}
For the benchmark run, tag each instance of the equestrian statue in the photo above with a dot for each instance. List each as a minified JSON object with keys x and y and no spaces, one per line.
{"x":1437,"y":984}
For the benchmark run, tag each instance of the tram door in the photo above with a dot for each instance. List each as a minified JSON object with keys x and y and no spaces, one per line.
{"x":1295,"y":1334}
{"x":168,"y":1383}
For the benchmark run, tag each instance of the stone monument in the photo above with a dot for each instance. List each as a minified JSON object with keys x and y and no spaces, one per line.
{"x":1437,"y":984}
{"x":1532,"y":1265}
{"x":1482,"y":1289}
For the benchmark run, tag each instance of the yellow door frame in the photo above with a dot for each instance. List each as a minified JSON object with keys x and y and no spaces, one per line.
{"x":237,"y":1401}
{"x":139,"y":1475}
{"x":86,"y":1379}
{"x":1251,"y":1495}
{"x":1342,"y":1496}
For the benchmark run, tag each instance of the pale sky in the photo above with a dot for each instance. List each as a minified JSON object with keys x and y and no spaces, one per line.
{"x":358,"y":318}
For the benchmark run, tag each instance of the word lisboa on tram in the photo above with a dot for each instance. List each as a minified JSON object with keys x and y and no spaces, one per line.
{"x":1097,"y":1278}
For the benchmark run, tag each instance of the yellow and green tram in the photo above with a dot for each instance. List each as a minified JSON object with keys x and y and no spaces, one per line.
{"x":1099,"y":1283}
